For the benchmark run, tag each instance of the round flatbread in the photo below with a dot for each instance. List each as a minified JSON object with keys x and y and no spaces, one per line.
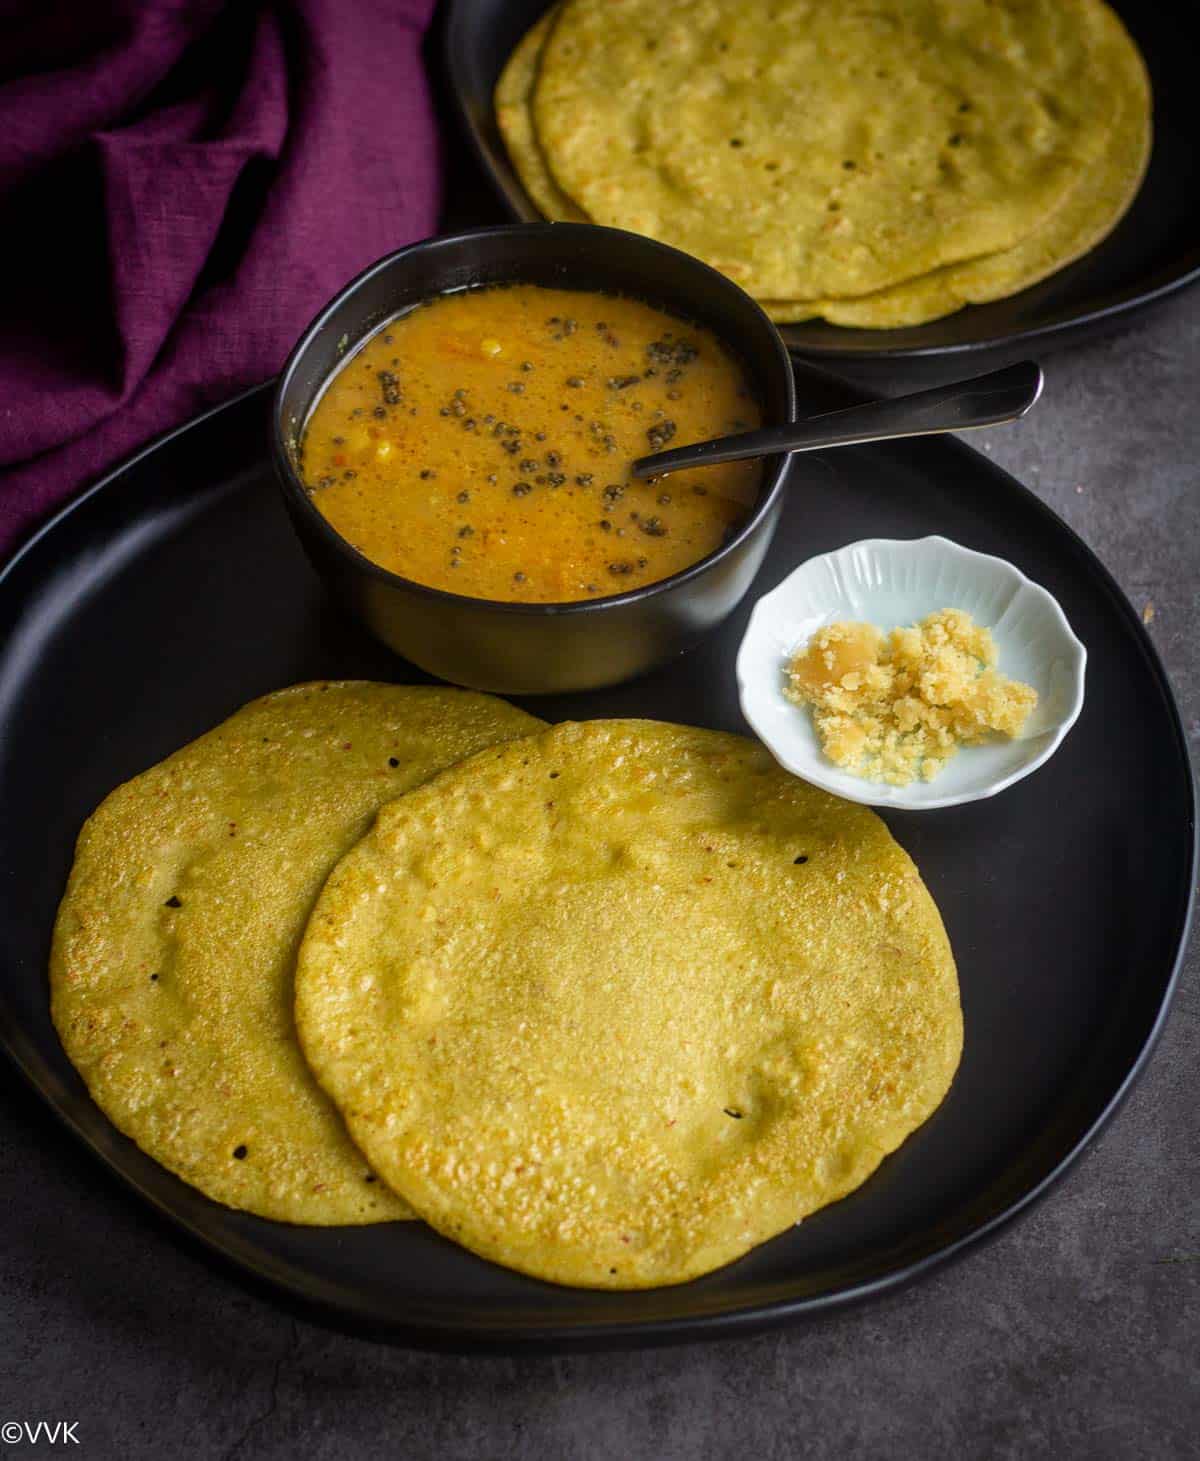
{"x":814,"y":150}
{"x":1092,"y":208}
{"x":616,"y":1003}
{"x":173,"y":957}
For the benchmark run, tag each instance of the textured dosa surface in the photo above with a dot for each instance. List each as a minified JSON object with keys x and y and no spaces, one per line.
{"x":811,"y":149}
{"x":615,"y":1003}
{"x":1092,"y":209}
{"x":174,"y":951}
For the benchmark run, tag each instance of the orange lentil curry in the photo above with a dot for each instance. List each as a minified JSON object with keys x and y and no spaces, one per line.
{"x":482,"y":444}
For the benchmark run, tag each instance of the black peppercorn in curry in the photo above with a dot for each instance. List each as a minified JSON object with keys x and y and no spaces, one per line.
{"x":482,"y":444}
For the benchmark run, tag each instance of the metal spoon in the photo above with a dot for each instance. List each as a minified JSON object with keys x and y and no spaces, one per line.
{"x":985,"y":400}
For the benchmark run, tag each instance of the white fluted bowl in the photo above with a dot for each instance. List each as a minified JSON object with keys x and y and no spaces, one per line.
{"x":891,"y":581}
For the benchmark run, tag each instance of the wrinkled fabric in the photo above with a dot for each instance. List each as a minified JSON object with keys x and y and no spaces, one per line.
{"x":182,"y":186}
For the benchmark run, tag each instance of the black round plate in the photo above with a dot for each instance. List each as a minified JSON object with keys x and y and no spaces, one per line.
{"x":175,"y":591}
{"x":1154,"y":250}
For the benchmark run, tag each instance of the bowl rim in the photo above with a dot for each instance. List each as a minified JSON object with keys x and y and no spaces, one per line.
{"x":898,"y":798}
{"x":296,"y":494}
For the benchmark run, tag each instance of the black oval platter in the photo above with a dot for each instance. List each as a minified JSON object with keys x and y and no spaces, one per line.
{"x":174,"y":591}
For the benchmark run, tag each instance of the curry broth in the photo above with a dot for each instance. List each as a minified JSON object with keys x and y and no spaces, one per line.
{"x":482,"y":443}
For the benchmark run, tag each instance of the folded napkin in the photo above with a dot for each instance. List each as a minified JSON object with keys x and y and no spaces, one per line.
{"x":183,"y":184}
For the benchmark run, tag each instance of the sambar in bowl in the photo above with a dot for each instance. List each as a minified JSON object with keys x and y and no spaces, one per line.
{"x":453,"y":437}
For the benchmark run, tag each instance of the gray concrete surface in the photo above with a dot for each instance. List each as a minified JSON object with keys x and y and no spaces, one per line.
{"x":1075,"y":1334}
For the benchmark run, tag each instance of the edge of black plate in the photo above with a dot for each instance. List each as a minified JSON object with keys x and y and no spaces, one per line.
{"x":1108,"y":314}
{"x":552,"y":1337}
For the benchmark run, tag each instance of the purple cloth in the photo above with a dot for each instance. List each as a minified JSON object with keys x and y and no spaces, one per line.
{"x":182,"y":186}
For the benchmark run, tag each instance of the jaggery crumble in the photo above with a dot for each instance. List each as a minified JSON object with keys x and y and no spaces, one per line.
{"x":896,"y":707}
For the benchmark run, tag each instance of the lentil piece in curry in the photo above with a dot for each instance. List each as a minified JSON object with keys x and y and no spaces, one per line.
{"x":481,"y":443}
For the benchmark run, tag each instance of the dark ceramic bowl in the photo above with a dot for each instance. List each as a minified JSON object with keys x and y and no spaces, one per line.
{"x":529,"y":649}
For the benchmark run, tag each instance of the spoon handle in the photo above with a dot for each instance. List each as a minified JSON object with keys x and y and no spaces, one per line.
{"x":984,"y":400}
